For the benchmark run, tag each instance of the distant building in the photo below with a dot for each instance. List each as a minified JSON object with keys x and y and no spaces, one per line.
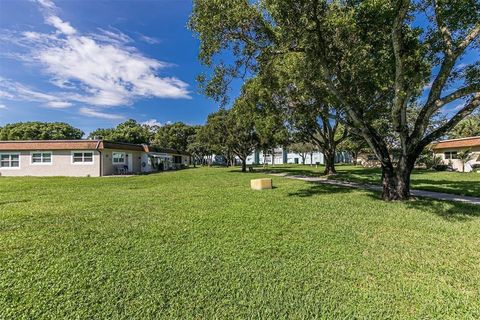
{"x":84,"y":158}
{"x":283,"y":156}
{"x":448,"y":150}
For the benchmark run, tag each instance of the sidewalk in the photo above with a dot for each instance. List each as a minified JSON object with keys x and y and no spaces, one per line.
{"x":416,"y":193}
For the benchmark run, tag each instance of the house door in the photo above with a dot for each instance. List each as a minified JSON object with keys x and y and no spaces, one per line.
{"x":130,"y":162}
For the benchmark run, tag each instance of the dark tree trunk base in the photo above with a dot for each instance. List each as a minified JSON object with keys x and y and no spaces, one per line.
{"x":396,"y":184}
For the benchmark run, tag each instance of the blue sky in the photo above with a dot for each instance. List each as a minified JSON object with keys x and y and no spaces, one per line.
{"x":96,"y":63}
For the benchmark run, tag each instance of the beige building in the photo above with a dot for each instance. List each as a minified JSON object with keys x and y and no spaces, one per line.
{"x":81,"y":158}
{"x":448,"y":150}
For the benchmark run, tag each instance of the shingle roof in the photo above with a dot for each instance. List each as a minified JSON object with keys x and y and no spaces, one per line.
{"x":458,"y":143}
{"x":68,"y":145}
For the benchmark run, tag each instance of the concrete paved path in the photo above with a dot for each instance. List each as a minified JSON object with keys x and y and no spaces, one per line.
{"x":416,"y":193}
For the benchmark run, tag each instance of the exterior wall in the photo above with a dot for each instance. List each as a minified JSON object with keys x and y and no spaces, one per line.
{"x":317,"y":157}
{"x":457,"y":164}
{"x":283,"y":157}
{"x":61,"y":165}
{"x":109,"y":168}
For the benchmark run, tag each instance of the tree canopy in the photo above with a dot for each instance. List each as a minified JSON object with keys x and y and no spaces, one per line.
{"x":39,"y":131}
{"x":129,"y":131}
{"x":174,"y":136}
{"x":374,"y":59}
{"x":468,"y":127}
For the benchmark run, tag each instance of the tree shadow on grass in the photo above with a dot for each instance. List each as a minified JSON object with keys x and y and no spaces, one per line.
{"x":461,"y":187}
{"x":2,"y":203}
{"x":318,"y":189}
{"x":449,"y":210}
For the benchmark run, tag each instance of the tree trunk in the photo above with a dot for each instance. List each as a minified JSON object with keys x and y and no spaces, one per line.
{"x":396,"y":183}
{"x":329,"y":163}
{"x":311,"y":158}
{"x":354,"y":158}
{"x":244,"y":165}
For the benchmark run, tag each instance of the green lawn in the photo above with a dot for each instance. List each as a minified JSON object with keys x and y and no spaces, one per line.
{"x":449,"y":182}
{"x":199,"y":244}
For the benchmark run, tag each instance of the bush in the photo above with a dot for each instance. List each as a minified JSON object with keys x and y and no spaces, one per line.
{"x":430,"y":161}
{"x":440,"y":167}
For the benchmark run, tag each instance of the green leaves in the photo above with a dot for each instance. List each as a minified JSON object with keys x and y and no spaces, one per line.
{"x":129,"y":131}
{"x":39,"y":131}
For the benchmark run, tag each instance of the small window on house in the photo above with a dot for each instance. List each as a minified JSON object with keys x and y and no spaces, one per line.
{"x":82,"y":157}
{"x":118,"y":158}
{"x":451,"y":155}
{"x":9,"y":160}
{"x":41,"y":158}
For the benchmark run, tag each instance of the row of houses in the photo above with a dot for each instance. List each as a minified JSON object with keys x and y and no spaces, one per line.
{"x":448,"y":151}
{"x":102,"y":158}
{"x":284,"y":156}
{"x":79,"y":158}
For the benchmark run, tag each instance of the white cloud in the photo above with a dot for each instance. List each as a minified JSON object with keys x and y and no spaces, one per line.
{"x":59,"y":104}
{"x":96,"y":114}
{"x":428,"y":86}
{"x":16,"y":91}
{"x":100,"y":69}
{"x":459,"y":106}
{"x":61,"y":25}
{"x":149,"y":40}
{"x":152,"y":123}
{"x":2,"y":106}
{"x":48,"y":4}
{"x":115,"y":36}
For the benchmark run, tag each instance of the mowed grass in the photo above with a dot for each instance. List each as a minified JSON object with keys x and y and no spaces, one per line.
{"x":461,"y":183}
{"x":199,"y":244}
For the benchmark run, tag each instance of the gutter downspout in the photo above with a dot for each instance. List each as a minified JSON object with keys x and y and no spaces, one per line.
{"x":100,"y":157}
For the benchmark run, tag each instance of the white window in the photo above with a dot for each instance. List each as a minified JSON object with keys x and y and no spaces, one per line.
{"x":451,"y":155}
{"x":82,"y":157}
{"x":118,"y":157}
{"x":9,"y":160}
{"x":41,"y":158}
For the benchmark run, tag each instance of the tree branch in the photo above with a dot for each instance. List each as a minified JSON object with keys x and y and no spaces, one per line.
{"x":399,"y":111}
{"x":446,"y":34}
{"x":462,"y":92}
{"x":468,"y":39}
{"x":465,"y":111}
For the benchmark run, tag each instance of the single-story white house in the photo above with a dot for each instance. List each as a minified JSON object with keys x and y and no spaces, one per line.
{"x":448,"y":150}
{"x":284,"y":156}
{"x":79,"y":158}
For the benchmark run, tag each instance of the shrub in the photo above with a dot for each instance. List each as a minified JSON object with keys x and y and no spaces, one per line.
{"x":440,"y":167}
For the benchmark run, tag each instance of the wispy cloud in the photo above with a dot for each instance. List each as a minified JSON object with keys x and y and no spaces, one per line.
{"x":101,"y":115}
{"x":149,"y":40}
{"x":428,"y":86}
{"x":99,"y":69}
{"x":16,"y":91}
{"x":2,"y":106}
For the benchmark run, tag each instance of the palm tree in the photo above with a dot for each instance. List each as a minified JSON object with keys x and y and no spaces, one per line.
{"x":464,"y":156}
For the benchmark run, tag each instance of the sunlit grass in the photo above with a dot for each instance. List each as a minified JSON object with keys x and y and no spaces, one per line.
{"x":462,"y":183}
{"x":200,"y":244}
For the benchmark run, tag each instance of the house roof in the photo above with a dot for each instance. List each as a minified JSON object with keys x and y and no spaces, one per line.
{"x":163,"y":150}
{"x":68,"y":145}
{"x":18,"y":145}
{"x":457,"y":143}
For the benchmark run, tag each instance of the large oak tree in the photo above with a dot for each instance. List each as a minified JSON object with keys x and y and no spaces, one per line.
{"x":373,"y":56}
